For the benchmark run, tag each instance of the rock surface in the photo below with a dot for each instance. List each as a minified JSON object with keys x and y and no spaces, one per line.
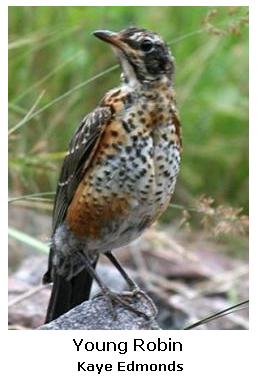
{"x":96,"y":314}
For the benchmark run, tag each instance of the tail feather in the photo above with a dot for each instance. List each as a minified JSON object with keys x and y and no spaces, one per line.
{"x":68,"y":294}
{"x":81,"y":287}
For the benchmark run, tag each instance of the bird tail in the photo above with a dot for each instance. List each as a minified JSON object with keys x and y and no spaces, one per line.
{"x":66,"y":294}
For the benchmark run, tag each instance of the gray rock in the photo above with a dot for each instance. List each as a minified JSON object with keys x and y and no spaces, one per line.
{"x":96,"y":314}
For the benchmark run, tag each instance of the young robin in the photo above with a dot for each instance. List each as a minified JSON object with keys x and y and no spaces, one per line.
{"x":119,"y":173}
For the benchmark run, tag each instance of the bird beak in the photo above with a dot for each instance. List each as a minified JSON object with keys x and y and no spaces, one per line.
{"x":110,"y":37}
{"x":121,"y":49}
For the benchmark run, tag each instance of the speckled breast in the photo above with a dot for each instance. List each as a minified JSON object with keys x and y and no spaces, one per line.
{"x":132,"y":177}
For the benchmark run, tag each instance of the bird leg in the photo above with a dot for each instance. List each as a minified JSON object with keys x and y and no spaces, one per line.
{"x":134,"y":288}
{"x":110,"y":296}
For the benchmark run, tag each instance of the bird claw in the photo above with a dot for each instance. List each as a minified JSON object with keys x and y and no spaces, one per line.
{"x":137,"y":292}
{"x":124,"y":299}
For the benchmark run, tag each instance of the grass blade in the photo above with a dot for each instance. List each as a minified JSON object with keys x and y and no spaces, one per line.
{"x":26,"y":239}
{"x":27,"y":116}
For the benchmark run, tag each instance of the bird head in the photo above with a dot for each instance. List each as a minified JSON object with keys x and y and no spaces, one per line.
{"x":143,"y":55}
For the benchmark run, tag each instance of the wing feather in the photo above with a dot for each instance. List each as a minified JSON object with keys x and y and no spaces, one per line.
{"x":74,"y":166}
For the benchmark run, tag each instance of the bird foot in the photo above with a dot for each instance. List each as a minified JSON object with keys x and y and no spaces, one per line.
{"x":137,"y":292}
{"x":125,"y":299}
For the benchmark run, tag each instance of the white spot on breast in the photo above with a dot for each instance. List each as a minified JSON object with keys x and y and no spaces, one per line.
{"x":134,"y":203}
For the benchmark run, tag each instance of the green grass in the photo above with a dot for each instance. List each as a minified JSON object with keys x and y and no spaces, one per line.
{"x":58,"y":72}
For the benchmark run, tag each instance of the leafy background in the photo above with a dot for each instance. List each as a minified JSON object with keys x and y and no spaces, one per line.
{"x":58,"y":72}
{"x":52,"y":51}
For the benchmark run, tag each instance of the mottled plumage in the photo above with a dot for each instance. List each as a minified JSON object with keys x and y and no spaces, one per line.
{"x":120,"y":171}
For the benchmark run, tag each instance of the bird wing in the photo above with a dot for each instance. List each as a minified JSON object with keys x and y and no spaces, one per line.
{"x":81,"y":149}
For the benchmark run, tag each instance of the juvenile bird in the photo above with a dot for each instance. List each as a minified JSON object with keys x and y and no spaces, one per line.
{"x":119,"y":173}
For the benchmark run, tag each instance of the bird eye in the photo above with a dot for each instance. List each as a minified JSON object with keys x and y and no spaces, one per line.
{"x":146,"y":45}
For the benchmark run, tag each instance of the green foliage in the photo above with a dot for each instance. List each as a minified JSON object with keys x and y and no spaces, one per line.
{"x":51,"y":51}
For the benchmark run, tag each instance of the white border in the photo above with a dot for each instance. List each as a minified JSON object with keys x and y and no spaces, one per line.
{"x":130,"y":3}
{"x":207,"y":354}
